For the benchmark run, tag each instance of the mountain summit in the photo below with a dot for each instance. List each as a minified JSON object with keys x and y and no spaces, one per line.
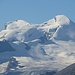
{"x":35,"y":49}
{"x":60,"y":20}
{"x":59,"y":28}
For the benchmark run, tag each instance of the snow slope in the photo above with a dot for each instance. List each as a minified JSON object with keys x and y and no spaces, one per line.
{"x":35,"y":49}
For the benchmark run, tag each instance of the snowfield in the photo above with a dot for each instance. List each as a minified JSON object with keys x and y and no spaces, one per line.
{"x":37,"y":49}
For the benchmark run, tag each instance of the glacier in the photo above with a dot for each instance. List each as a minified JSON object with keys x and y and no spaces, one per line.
{"x":37,"y":49}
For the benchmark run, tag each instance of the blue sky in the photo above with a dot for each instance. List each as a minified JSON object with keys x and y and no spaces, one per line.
{"x":35,"y":11}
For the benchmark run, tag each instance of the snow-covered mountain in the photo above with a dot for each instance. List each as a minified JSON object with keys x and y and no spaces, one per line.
{"x":36,"y":49}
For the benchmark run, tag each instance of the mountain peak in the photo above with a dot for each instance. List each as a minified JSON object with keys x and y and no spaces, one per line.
{"x":15,"y":24}
{"x":59,"y":28}
{"x":62,"y":19}
{"x":58,"y":20}
{"x":21,"y":22}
